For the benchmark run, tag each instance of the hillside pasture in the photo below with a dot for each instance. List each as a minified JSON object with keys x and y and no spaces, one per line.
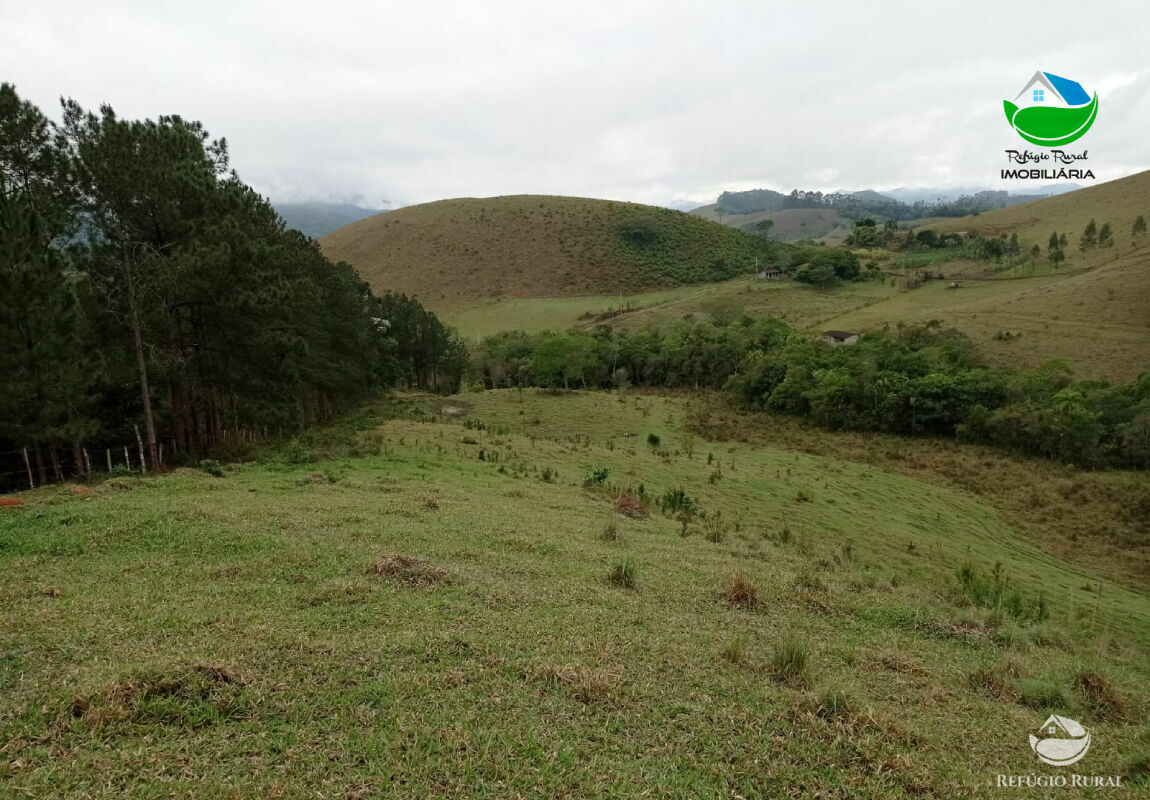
{"x":427,"y":608}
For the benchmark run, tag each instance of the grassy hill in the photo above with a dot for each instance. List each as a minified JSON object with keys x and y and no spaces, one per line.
{"x":539,"y":246}
{"x":431,"y":609}
{"x":1118,"y":202}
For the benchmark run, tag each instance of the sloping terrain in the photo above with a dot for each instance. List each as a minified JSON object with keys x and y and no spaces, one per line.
{"x":1118,"y":202}
{"x":539,"y":246}
{"x":1097,"y":320}
{"x":433,"y":610}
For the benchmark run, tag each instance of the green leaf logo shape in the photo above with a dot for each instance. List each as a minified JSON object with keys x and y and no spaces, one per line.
{"x":1051,"y":127}
{"x":1060,"y":111}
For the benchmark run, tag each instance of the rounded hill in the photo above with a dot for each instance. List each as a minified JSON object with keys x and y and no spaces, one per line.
{"x":541,"y":245}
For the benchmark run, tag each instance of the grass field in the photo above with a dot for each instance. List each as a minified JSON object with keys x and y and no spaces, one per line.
{"x":795,"y":303}
{"x":437,"y":605}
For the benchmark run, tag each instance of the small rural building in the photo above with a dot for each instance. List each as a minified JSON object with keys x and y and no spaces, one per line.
{"x":771,"y":275}
{"x":840,"y":337}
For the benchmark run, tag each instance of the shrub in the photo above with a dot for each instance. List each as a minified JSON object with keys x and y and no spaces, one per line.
{"x":741,"y":593}
{"x":790,"y":662}
{"x":212,"y":467}
{"x":625,"y":573}
{"x":675,"y":501}
{"x":596,"y":476}
{"x":548,"y":475}
{"x":653,"y":439}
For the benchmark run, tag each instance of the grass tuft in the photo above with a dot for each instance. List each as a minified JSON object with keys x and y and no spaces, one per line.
{"x":791,"y":663}
{"x":741,"y":593}
{"x":625,"y":573}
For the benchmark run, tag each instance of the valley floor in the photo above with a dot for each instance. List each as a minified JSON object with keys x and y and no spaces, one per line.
{"x":445,"y":603}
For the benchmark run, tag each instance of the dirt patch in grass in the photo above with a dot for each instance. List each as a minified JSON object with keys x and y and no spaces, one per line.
{"x":409,"y":571}
{"x":629,"y":506}
{"x":189,"y":696}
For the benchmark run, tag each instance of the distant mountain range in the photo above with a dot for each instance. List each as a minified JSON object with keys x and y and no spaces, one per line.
{"x":316,"y":219}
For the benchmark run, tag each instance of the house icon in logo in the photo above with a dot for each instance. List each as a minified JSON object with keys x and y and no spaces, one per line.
{"x":1051,"y":111}
{"x":1060,"y":742}
{"x":1048,"y":89}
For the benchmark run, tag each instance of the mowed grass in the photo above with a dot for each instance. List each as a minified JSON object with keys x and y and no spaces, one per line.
{"x":389,"y":614}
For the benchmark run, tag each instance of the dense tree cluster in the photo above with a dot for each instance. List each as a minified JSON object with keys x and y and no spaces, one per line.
{"x":918,"y":380}
{"x":144,"y":286}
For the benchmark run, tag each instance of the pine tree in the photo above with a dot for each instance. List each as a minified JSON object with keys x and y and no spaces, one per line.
{"x":1089,"y":235}
{"x":1105,"y":235}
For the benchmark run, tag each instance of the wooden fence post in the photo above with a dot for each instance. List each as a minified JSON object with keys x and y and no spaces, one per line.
{"x":28,"y":466}
{"x":140,"y":444}
{"x":108,"y":453}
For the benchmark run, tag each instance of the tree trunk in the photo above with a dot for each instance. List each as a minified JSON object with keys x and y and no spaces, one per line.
{"x":145,"y":393}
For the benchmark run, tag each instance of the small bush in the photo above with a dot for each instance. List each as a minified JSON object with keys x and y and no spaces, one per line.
{"x":677,"y":501}
{"x":625,"y":573}
{"x":653,"y":439}
{"x":430,"y":502}
{"x":596,"y":476}
{"x":212,"y":467}
{"x":741,"y":593}
{"x":548,"y":475}
{"x":790,"y":662}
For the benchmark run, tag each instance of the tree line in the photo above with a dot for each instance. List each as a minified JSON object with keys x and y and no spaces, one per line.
{"x":914,"y":380}
{"x":145,"y":287}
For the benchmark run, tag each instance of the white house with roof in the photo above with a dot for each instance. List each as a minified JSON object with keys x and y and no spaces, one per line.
{"x":1047,"y":89}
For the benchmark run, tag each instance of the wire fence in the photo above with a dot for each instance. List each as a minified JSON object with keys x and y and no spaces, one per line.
{"x":26,"y":468}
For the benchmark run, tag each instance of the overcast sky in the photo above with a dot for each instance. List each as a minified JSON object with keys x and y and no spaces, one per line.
{"x":656,"y":102}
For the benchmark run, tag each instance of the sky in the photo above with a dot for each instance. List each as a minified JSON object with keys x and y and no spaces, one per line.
{"x":387,"y":104}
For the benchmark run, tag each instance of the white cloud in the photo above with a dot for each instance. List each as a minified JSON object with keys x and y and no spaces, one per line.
{"x":654,"y":101}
